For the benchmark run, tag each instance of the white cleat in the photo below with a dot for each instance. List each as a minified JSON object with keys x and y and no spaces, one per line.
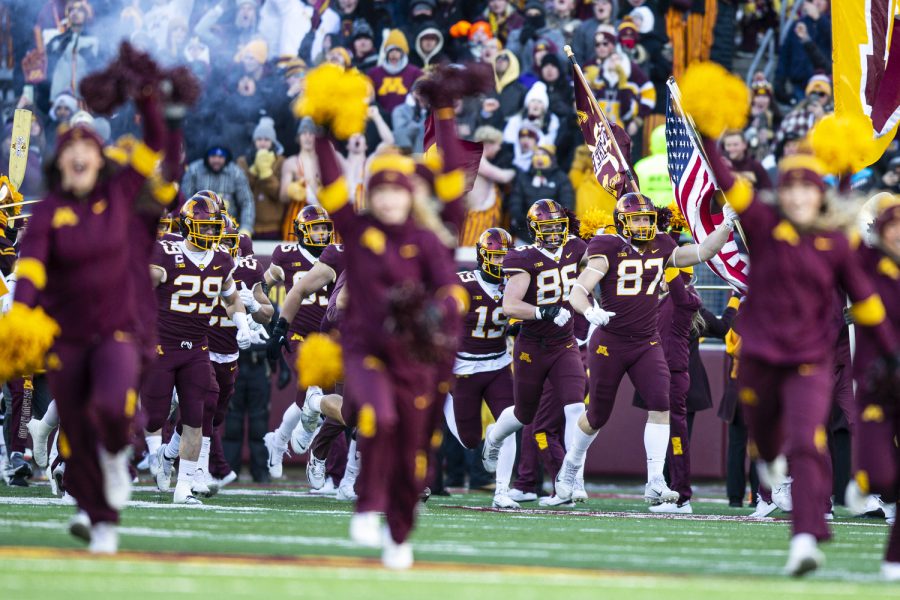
{"x":804,"y":555}
{"x":200,"y":485}
{"x":774,"y":473}
{"x":328,"y":488}
{"x":520,"y":496}
{"x":68,"y":499}
{"x":346,"y":492}
{"x":152,"y":463}
{"x":890,"y":571}
{"x":220,"y":483}
{"x":502,"y":499}
{"x":763,"y":509}
{"x":394,"y":556}
{"x":276,"y":449}
{"x":301,"y":439}
{"x":490,"y":452}
{"x":673,"y":508}
{"x":579,"y":494}
{"x":40,"y":433}
{"x":365,"y":529}
{"x":116,"y":477}
{"x":656,"y":491}
{"x":183,"y":494}
{"x":781,"y":496}
{"x":890,"y":512}
{"x":80,"y":526}
{"x":104,"y":539}
{"x":565,"y":479}
{"x":56,"y":480}
{"x":856,"y":501}
{"x":315,"y":472}
{"x":164,"y":472}
{"x":555,"y":501}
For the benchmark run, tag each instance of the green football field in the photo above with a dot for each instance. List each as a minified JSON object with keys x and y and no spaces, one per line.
{"x":277,"y":542}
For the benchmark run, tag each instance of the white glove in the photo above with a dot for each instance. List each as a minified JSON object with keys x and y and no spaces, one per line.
{"x":250,"y":303}
{"x":563,"y":317}
{"x":258,"y":335}
{"x":244,"y":337}
{"x":597,"y":316}
{"x":730,"y":216}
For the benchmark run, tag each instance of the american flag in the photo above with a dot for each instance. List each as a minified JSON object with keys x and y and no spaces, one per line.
{"x":695,"y":190}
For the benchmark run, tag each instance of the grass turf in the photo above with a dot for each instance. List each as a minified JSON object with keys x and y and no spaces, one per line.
{"x":252,"y":543}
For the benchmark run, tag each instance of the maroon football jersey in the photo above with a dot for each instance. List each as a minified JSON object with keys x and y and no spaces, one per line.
{"x":334,"y":257}
{"x":630,"y":287}
{"x":484,"y":326}
{"x":296,"y":261}
{"x":222,"y":330}
{"x":552,"y":276}
{"x":189,"y":292}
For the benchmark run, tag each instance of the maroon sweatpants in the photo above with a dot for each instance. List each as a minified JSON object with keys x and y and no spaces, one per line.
{"x":610,"y":357}
{"x":495,"y":387}
{"x":95,"y":389}
{"x":226,"y":374}
{"x":22,"y":391}
{"x":190,"y":372}
{"x":788,"y":407}
{"x":679,"y":452}
{"x":393,"y":435}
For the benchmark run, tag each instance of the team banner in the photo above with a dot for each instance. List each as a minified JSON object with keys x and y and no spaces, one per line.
{"x":695,"y":191}
{"x":610,"y":167}
{"x":866,"y":71}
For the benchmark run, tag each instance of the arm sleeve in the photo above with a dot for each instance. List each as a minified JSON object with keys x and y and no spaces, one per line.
{"x":450,"y":184}
{"x":334,"y":195}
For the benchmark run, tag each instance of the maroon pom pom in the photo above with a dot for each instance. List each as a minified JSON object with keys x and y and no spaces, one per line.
{"x":449,"y":83}
{"x":184,"y":86}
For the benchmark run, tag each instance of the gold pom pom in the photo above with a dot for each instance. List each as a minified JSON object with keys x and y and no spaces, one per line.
{"x":714,"y":98}
{"x":594,"y":222}
{"x":842,"y":142}
{"x":9,"y":195}
{"x":337,"y":98}
{"x":27,"y":335}
{"x":677,"y":222}
{"x":320,"y":362}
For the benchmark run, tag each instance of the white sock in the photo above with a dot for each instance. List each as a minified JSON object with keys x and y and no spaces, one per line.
{"x":450,"y":417}
{"x":186,"y":471}
{"x":51,"y":417}
{"x":573,"y":414}
{"x":580,"y":444}
{"x":173,"y":446}
{"x":352,"y":470}
{"x":314,"y":397}
{"x":505,"y":462}
{"x":289,"y":422}
{"x":507,"y":424}
{"x":203,"y":461}
{"x":656,"y":442}
{"x":153,"y":443}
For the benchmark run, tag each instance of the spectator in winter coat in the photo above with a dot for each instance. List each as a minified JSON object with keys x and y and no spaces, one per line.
{"x":393,"y":78}
{"x":429,"y":46}
{"x":537,"y":113}
{"x":503,"y":18}
{"x":362,"y":47}
{"x":408,"y":125}
{"x":218,"y":173}
{"x":253,"y":90}
{"x":795,"y":63}
{"x":510,"y":90}
{"x":522,"y":41}
{"x":735,"y":148}
{"x":225,"y":32}
{"x":562,"y":18}
{"x":543,"y":180}
{"x":604,"y":13}
{"x":262,"y":167}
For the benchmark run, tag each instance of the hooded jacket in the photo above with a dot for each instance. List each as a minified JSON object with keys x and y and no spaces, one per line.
{"x":425,"y":60}
{"x":509,"y":88}
{"x":393,"y":82}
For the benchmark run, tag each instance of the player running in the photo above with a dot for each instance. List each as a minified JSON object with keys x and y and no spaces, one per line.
{"x":629,"y":267}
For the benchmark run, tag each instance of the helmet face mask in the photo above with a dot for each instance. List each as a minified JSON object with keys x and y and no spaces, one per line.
{"x":548,"y":223}
{"x":492,"y":246}
{"x":635,"y":217}
{"x":230,"y":238}
{"x":201,"y":223}
{"x":313,"y":227}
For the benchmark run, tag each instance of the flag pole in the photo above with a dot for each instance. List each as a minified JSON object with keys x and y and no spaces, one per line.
{"x":698,"y":142}
{"x":612,"y":139}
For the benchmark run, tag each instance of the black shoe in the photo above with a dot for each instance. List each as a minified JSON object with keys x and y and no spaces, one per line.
{"x":18,"y":466}
{"x":735,"y":504}
{"x":18,"y":481}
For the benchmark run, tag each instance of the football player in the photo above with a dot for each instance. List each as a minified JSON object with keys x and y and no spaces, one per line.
{"x":308,"y":282}
{"x":629,"y":267}
{"x":223,"y":353}
{"x":545,"y":351}
{"x":190,"y":277}
{"x":878,"y":409}
{"x":482,"y":369}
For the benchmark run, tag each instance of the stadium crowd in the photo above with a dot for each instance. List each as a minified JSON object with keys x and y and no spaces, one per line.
{"x":250,"y":163}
